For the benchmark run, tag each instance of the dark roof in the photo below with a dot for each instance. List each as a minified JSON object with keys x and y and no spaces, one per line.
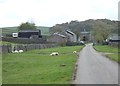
{"x":70,"y":32}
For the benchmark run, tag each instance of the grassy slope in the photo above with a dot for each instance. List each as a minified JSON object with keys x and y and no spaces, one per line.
{"x":108,"y":49}
{"x":44,"y":30}
{"x":10,"y":30}
{"x":38,"y":67}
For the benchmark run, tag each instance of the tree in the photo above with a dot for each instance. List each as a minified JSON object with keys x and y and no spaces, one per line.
{"x":27,"y":26}
{"x":101,"y":31}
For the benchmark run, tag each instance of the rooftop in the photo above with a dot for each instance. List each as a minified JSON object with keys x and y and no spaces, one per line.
{"x":59,"y":35}
{"x":70,"y":32}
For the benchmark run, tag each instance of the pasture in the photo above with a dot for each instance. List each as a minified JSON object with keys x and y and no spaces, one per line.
{"x":10,"y":30}
{"x":4,"y":43}
{"x":38,"y":67}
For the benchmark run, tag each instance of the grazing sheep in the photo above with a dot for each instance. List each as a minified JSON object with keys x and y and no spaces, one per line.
{"x":74,"y":51}
{"x":13,"y":52}
{"x":54,"y":54}
{"x":16,"y":51}
{"x":20,"y":51}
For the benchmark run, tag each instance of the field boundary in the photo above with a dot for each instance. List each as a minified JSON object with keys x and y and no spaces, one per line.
{"x":8,"y":48}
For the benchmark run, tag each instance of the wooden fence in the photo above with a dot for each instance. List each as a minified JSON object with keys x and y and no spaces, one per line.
{"x":8,"y":48}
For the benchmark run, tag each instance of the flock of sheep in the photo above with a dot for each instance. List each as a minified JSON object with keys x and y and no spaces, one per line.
{"x":52,"y":54}
{"x":17,"y":51}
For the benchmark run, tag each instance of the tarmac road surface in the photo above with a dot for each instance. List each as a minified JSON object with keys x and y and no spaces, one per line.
{"x":94,"y":68}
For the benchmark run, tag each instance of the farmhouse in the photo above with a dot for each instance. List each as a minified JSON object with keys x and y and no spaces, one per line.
{"x":57,"y":38}
{"x":29,"y":34}
{"x":71,"y":37}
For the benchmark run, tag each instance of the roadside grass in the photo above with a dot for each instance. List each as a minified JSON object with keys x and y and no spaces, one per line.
{"x":106,"y":48}
{"x":38,"y":67}
{"x":109,"y":49}
{"x":114,"y":57}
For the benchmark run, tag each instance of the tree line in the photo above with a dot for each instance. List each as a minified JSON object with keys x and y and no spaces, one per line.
{"x":100,"y":29}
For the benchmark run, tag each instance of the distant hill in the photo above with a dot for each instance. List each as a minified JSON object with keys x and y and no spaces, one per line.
{"x":79,"y":26}
{"x":10,"y":30}
{"x":44,"y":30}
{"x":75,"y":26}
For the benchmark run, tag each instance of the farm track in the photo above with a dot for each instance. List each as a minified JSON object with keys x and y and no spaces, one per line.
{"x":94,"y":68}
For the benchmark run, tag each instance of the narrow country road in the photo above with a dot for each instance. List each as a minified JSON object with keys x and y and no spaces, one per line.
{"x":94,"y":68}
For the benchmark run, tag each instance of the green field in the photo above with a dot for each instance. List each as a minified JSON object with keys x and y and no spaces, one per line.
{"x":44,"y":30}
{"x":10,"y":30}
{"x":4,"y":43}
{"x":38,"y":67}
{"x":108,"y":49}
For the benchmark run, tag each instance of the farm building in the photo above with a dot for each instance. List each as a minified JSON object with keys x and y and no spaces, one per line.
{"x":71,"y":37}
{"x":57,"y":38}
{"x":29,"y":34}
{"x":85,"y":35}
{"x":114,"y":40}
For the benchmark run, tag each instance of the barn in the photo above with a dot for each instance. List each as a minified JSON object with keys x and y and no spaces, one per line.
{"x":29,"y":34}
{"x":71,"y":37}
{"x":57,"y":38}
{"x":114,"y":40}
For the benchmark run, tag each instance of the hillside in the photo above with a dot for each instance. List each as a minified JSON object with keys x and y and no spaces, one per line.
{"x":44,"y":30}
{"x":75,"y":26}
{"x":10,"y":30}
{"x":88,"y":25}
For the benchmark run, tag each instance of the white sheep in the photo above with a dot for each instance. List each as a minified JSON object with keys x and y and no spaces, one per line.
{"x":74,"y":51}
{"x":16,"y":51}
{"x":20,"y":51}
{"x":54,"y":54}
{"x":13,"y":51}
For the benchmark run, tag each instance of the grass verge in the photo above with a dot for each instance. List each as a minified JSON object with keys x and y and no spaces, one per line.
{"x":109,"y":49}
{"x":38,"y":67}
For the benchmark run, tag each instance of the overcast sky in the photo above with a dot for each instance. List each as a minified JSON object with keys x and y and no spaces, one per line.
{"x":51,"y":12}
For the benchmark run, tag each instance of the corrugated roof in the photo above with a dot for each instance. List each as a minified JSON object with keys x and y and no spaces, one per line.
{"x":59,"y":35}
{"x":70,"y":32}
